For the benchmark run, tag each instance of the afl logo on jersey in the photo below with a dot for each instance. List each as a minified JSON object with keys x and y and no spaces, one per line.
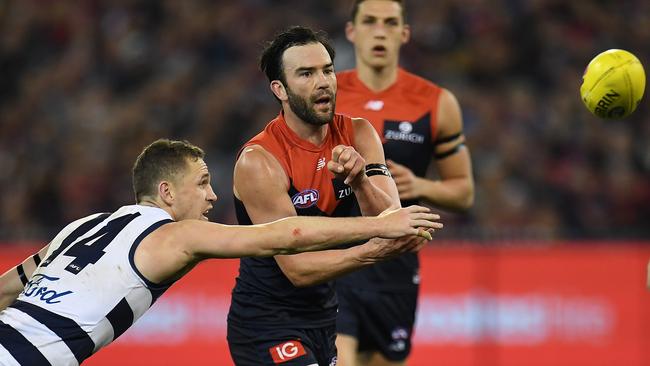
{"x":305,"y":199}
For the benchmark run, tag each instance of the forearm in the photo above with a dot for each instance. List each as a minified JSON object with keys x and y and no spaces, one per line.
{"x":454,"y":194}
{"x":310,"y":269}
{"x":13,"y":281}
{"x":10,"y":287}
{"x":373,"y":200}
{"x":304,"y":234}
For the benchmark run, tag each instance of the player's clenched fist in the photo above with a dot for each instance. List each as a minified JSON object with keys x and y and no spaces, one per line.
{"x":347,"y":164}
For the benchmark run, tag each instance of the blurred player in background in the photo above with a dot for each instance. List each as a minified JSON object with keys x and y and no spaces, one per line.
{"x":418,"y":122}
{"x":307,"y":161}
{"x":102,"y":272}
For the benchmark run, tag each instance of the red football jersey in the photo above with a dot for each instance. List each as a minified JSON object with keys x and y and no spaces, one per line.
{"x":409,"y":99}
{"x":311,"y":183}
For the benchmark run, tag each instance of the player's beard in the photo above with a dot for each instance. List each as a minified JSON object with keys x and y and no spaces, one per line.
{"x":305,"y":109}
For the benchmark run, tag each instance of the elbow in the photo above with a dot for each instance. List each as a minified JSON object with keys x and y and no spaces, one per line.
{"x":300,"y":280}
{"x":467,"y":199}
{"x":462,"y":203}
{"x":467,"y":202}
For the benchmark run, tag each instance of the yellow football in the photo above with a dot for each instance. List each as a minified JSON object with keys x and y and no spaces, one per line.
{"x":613,"y":84}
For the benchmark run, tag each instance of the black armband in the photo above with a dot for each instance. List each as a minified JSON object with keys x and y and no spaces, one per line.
{"x":21,"y":274}
{"x":377,"y":169}
{"x":449,"y":152}
{"x":37,"y":259}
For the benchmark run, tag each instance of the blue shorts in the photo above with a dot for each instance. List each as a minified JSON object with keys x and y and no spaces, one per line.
{"x":285,"y":347}
{"x":380,"y":321}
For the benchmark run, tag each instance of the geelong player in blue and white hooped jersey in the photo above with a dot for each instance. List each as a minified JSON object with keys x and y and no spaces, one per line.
{"x":102,"y":272}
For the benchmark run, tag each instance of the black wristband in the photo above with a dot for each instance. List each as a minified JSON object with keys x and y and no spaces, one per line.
{"x":376,"y":166}
{"x":21,"y":274}
{"x":377,"y":169}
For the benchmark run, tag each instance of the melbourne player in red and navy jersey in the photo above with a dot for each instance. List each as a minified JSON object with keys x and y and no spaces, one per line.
{"x":418,"y":122}
{"x":307,"y":161}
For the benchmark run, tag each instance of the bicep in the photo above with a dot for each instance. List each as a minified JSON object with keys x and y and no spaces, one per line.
{"x":368,"y":144}
{"x":455,"y":166}
{"x":261,"y":184}
{"x":452,"y":157}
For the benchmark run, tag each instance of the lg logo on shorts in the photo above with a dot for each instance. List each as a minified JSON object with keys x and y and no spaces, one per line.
{"x":286,"y":351}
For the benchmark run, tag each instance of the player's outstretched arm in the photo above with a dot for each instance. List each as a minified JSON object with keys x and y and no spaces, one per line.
{"x":175,"y":248}
{"x":261,"y":184}
{"x":13,"y":281}
{"x":300,"y":233}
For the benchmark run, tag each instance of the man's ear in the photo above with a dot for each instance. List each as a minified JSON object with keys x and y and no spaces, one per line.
{"x":279,"y":90}
{"x":166,"y":192}
{"x":349,"y":31}
{"x":406,"y":34}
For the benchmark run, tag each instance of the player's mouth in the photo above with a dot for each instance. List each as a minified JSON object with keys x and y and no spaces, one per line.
{"x":324,"y":101}
{"x":205,"y":214}
{"x":379,"y":51}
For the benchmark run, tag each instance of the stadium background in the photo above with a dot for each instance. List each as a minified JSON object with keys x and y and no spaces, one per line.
{"x":548,"y":268}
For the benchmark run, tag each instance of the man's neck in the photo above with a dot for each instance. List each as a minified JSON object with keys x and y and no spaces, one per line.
{"x":308,"y":132}
{"x":154,"y":203}
{"x":377,"y":79}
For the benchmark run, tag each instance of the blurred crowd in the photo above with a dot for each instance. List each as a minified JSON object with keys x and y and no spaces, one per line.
{"x":85,"y":85}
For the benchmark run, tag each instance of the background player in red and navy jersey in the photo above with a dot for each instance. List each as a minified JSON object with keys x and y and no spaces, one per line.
{"x":418,"y":122}
{"x":307,"y":161}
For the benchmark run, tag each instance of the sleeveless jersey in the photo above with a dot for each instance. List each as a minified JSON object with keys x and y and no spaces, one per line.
{"x":263,"y":296}
{"x":85,"y":293}
{"x":404,"y":116}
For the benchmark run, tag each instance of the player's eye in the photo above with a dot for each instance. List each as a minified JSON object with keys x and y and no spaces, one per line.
{"x":305,"y":74}
{"x":392,"y":22}
{"x":368,"y":21}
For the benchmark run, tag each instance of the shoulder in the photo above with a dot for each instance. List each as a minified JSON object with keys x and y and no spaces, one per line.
{"x":256,"y":157}
{"x":344,"y":78}
{"x":256,"y":163}
{"x":82,"y":224}
{"x":364,"y":131}
{"x":418,"y":85}
{"x":447,"y":103}
{"x":346,"y":124}
{"x":359,"y":123}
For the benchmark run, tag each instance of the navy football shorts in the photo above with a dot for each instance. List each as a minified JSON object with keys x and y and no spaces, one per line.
{"x":380,"y":321}
{"x":285,"y":347}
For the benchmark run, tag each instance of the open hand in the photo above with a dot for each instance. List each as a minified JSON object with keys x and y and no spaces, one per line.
{"x":412,"y":220}
{"x":378,"y":249}
{"x":405,"y":180}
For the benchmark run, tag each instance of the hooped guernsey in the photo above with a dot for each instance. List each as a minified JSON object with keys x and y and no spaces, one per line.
{"x":405,"y":117}
{"x":85,"y":293}
{"x":263,"y":296}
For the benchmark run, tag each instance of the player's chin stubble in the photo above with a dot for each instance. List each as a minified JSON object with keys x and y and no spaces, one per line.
{"x":302,"y":109}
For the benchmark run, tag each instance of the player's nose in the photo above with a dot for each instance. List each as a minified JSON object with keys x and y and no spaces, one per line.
{"x":212,"y":197}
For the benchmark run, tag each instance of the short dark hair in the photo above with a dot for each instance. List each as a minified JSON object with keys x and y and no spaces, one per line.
{"x":271,"y":58}
{"x":355,"y":9}
{"x":162,"y":160}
